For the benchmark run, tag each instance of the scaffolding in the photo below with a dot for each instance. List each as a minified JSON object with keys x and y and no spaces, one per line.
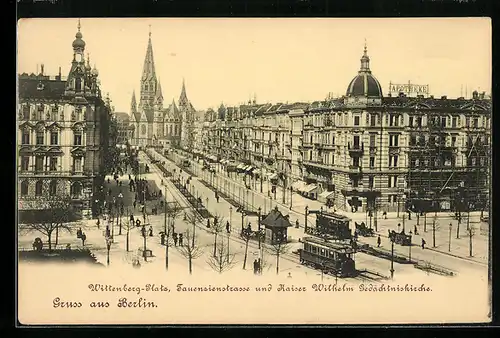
{"x":437,"y":179}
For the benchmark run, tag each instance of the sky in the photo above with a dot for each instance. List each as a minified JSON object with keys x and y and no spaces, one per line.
{"x":278,"y":60}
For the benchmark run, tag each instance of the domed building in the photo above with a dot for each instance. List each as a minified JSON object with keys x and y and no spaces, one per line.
{"x":63,"y":138}
{"x":364,"y":89}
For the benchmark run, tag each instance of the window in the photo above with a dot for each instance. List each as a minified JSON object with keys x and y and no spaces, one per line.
{"x":77,"y":164}
{"x":53,"y":188}
{"x":393,"y":140}
{"x":411,"y":121}
{"x":393,"y":120}
{"x":38,"y":188}
{"x":76,"y":189}
{"x":25,"y":163}
{"x":373,"y":118}
{"x":356,"y":142}
{"x":25,"y":139}
{"x":54,"y":138}
{"x":393,"y":181}
{"x":355,"y":162}
{"x":372,"y":140}
{"x":26,"y":112}
{"x":393,"y":161}
{"x":39,"y":163}
{"x":372,"y":162}
{"x":39,"y":112}
{"x":53,"y":164}
{"x":77,"y":138}
{"x":413,"y":140}
{"x":39,"y":137}
{"x":454,"y":122}
{"x":24,"y":188}
{"x":475,"y":123}
{"x":443,"y":121}
{"x":370,"y":182}
{"x":356,"y":120}
{"x":354,"y":183}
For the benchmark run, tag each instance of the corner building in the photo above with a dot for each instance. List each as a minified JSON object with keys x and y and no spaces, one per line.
{"x":365,"y":151}
{"x":62,"y":135}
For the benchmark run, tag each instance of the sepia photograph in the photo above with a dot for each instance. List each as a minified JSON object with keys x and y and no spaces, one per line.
{"x":253,"y":171}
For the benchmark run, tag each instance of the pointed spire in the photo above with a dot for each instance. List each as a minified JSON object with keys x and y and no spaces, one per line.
{"x":159,"y":94}
{"x":148,"y":72}
{"x":183,"y":100}
{"x":133,"y":104}
{"x":79,"y":25}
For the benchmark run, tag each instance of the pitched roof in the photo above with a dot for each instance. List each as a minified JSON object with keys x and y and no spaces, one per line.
{"x":137,"y":116}
{"x":122,"y":117}
{"x":275,"y":219}
{"x":41,"y":87}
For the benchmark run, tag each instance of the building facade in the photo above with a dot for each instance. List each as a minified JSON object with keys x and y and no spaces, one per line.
{"x":364,"y":151}
{"x":125,"y":129}
{"x":153,"y":123}
{"x":62,"y":135}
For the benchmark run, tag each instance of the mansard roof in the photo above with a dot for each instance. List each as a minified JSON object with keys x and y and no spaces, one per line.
{"x":40,"y":87}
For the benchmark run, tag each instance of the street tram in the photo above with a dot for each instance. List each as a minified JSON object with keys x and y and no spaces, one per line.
{"x":332,"y":258}
{"x":330,"y":225}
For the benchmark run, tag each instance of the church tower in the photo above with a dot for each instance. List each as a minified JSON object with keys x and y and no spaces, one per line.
{"x":133,"y":105}
{"x":148,"y":79}
{"x":187,"y":111}
{"x":75,"y":85}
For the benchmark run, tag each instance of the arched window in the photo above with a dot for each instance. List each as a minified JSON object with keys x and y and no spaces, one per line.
{"x":53,"y":188}
{"x":25,"y":139}
{"x":78,"y":84}
{"x":40,"y":136}
{"x":76,"y":189}
{"x":146,"y":87}
{"x":77,"y":137}
{"x":38,"y":188}
{"x":24,"y":188}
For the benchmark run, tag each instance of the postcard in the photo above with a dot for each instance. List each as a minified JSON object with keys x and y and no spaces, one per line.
{"x":253,"y":171}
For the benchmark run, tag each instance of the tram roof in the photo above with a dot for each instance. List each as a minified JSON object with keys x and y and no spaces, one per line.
{"x":342,"y":247}
{"x":335,"y":215}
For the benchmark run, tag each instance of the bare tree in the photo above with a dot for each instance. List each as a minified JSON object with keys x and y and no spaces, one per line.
{"x":471,"y":232}
{"x":279,"y":248}
{"x":191,"y":250}
{"x":246,"y":234}
{"x":435,"y":227}
{"x":222,"y":260}
{"x":217,"y":228}
{"x":53,"y":215}
{"x":171,"y":214}
{"x":128,"y":225}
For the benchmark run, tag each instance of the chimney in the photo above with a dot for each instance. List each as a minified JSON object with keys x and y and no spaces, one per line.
{"x":36,"y":69}
{"x":41,"y":69}
{"x":60,"y":78}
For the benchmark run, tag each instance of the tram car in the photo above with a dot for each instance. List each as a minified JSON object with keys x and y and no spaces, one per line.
{"x":362,"y":230}
{"x":332,"y":226}
{"x":332,"y":258}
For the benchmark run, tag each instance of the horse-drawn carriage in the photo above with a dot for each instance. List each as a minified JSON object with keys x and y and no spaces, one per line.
{"x":362,"y":230}
{"x":251,"y":234}
{"x":400,"y":238}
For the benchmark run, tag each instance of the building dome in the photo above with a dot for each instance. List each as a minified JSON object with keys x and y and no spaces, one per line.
{"x":95,"y":72}
{"x":364,"y":84}
{"x":78,"y":43}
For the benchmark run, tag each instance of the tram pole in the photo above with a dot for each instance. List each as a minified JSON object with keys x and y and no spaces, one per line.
{"x":305,"y":218}
{"x":392,"y":258}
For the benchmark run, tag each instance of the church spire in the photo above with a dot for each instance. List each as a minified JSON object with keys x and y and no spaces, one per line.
{"x":183,"y":97}
{"x":159,"y":96}
{"x":148,"y":79}
{"x":148,"y":71}
{"x":133,"y":104}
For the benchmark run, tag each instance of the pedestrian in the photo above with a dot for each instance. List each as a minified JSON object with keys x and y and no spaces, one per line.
{"x":297,"y":225}
{"x":109,"y":181}
{"x":378,"y":241}
{"x":208,"y":223}
{"x":180,"y":239}
{"x":255,"y":267}
{"x":98,"y":223}
{"x":131,"y":219}
{"x":162,"y":238}
{"x":135,"y":204}
{"x":228,"y":227}
{"x":289,"y":275}
{"x":423,"y":243}
{"x":384,"y":214}
{"x":83,"y":237}
{"x":175,"y":238}
{"x":150,"y":231}
{"x":415,"y":232}
{"x":129,"y":178}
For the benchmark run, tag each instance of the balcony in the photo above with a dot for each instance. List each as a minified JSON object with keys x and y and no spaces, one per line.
{"x":354,"y":169}
{"x":394,"y":150}
{"x":319,"y":164}
{"x":373,"y":150}
{"x":355,"y":149}
{"x":306,"y":145}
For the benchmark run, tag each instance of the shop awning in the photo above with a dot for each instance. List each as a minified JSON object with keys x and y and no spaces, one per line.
{"x":256,"y":171}
{"x":298,"y":185}
{"x":249,"y":168}
{"x":310,"y":188}
{"x":240,"y":166}
{"x":325,"y":195}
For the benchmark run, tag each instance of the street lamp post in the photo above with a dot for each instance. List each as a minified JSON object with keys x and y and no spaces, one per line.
{"x":108,"y":245}
{"x":144,"y":235}
{"x":409,"y":248}
{"x":392,"y":257}
{"x":305,"y":218}
{"x":449,"y":238}
{"x":258,"y":223}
